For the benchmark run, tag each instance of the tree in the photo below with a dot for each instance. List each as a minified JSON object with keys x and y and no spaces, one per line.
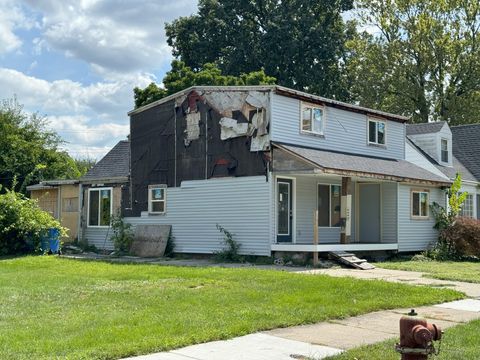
{"x":181,"y":77}
{"x":84,"y":164}
{"x":299,"y":42}
{"x":423,"y":59}
{"x":30,"y":152}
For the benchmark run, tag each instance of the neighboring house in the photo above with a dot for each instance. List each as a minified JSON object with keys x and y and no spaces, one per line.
{"x":466,"y":147}
{"x":270,"y":164}
{"x":60,"y":199}
{"x":447,"y":151}
{"x":104,"y":192}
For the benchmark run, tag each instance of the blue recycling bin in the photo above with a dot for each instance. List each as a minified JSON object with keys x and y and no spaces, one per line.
{"x":50,"y":241}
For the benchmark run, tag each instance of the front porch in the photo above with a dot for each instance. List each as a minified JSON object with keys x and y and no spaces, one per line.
{"x":334,"y":247}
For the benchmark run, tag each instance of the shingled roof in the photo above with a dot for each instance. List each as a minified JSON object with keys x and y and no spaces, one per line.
{"x":466,"y":147}
{"x":367,"y":166}
{"x":424,"y":128}
{"x":115,"y":165}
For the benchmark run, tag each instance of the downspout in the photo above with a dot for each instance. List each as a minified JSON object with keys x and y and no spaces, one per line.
{"x":175,"y":132}
{"x":206,"y":145}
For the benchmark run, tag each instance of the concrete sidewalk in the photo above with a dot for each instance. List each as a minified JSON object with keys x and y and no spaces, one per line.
{"x":321,"y":340}
{"x":399,"y":276}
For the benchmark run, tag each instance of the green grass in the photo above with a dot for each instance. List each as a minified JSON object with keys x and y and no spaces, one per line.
{"x":60,"y":308}
{"x":445,"y":270}
{"x":458,"y":343}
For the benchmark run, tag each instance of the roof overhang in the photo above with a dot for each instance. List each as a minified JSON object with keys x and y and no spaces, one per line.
{"x":351,"y":166}
{"x":110,"y":180}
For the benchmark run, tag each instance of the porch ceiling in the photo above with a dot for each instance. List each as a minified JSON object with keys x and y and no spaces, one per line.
{"x":345,"y":164}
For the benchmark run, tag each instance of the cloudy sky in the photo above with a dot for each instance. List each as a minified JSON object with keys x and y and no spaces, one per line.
{"x":77,"y":62}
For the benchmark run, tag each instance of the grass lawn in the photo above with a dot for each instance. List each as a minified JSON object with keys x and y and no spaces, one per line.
{"x":445,"y":270}
{"x":458,"y":343}
{"x":60,"y":308}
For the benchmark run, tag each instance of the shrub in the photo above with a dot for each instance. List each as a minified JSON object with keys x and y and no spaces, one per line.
{"x":122,"y":234}
{"x":21,"y":223}
{"x":170,"y":248}
{"x":463,"y":237}
{"x":230,"y":253}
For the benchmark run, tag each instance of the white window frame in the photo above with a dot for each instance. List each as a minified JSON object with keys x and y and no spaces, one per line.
{"x":88,"y":206}
{"x":376,"y":121}
{"x":420,"y":216}
{"x":471,"y":210}
{"x":441,"y":150}
{"x":329,"y":204}
{"x":312,"y":107}
{"x":150,"y":200}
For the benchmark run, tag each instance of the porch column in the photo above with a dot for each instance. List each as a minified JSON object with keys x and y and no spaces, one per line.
{"x":346,"y":210}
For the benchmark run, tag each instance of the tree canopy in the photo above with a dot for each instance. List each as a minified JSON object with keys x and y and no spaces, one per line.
{"x":423,"y":59}
{"x":181,"y":77}
{"x":299,"y":42}
{"x":30,"y":152}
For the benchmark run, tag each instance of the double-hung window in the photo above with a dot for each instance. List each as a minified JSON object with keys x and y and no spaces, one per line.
{"x":419,"y":204}
{"x":157,"y":197}
{"x":376,"y":131}
{"x":444,"y":150}
{"x":313,"y":119}
{"x":99,"y":206}
{"x":329,"y":205}
{"x":467,"y":207}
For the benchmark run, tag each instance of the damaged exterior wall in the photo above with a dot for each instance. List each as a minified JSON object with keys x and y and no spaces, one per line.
{"x":198,"y":136}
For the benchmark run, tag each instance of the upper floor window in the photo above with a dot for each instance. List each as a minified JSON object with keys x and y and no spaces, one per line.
{"x":467,"y":207}
{"x":313,"y":119}
{"x":99,"y":207}
{"x":419,"y":208}
{"x":444,"y":150}
{"x":157,"y":197}
{"x":376,"y":132}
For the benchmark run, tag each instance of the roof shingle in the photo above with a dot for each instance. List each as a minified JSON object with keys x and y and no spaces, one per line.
{"x":466,"y":147}
{"x":115,"y":164}
{"x":424,"y":128}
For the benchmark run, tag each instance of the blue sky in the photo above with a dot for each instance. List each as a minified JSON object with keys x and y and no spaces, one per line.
{"x":77,"y":62}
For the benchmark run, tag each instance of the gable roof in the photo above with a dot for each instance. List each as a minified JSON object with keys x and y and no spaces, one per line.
{"x":281,"y":90}
{"x":425,"y":128}
{"x":466,"y":147}
{"x":115,"y":165}
{"x":364,"y":166}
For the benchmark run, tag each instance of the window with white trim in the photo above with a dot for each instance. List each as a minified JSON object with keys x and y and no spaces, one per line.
{"x":157,"y":197}
{"x":99,"y":207}
{"x":328,"y":204}
{"x":313,"y":119}
{"x":376,"y":131}
{"x":444,"y":150}
{"x":467,"y":207}
{"x":419,"y":204}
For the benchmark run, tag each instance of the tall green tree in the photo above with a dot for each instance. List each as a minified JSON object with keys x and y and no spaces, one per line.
{"x":29,"y":151}
{"x":299,"y":42}
{"x":421,"y":58}
{"x":181,"y":77}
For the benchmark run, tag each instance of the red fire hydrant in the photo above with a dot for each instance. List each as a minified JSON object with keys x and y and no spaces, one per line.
{"x":416,"y":337}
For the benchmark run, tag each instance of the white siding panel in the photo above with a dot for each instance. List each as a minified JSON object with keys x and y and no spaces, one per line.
{"x":416,"y":234}
{"x":345,"y":130}
{"x":241,"y":205}
{"x":100,"y":237}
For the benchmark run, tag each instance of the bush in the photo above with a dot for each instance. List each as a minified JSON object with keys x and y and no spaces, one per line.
{"x":230,"y":253}
{"x":463,"y":237}
{"x":122,"y":235}
{"x":21,"y":224}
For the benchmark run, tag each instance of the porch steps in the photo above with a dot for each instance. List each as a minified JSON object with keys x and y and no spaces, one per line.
{"x":350,"y":260}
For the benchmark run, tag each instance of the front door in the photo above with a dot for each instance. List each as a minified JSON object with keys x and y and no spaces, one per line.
{"x":284,"y":210}
{"x":369,"y":213}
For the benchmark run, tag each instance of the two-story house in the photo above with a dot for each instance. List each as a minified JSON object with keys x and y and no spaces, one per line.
{"x":281,"y":170}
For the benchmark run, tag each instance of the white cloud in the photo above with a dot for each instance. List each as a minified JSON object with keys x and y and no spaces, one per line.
{"x":87,"y":117}
{"x":12,"y":18}
{"x":123,"y":37}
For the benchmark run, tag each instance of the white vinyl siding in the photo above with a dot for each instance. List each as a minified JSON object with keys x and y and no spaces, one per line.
{"x":241,"y":205}
{"x":345,"y":131}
